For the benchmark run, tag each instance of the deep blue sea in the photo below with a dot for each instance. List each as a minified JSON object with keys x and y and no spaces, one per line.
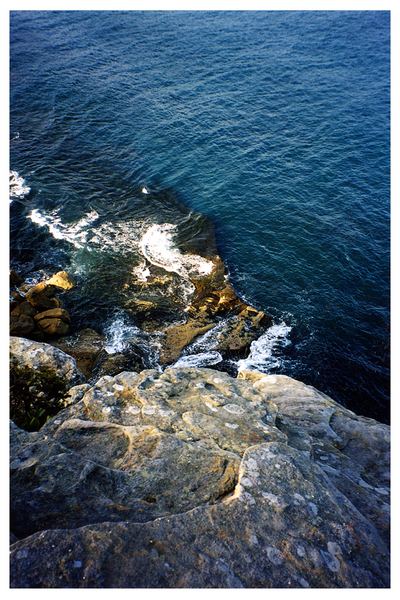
{"x":273,"y":124}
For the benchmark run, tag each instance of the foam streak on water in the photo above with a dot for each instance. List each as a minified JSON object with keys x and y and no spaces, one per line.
{"x":76,"y":233}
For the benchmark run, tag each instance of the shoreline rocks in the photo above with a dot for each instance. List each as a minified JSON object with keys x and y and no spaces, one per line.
{"x":36,"y":312}
{"x":191,"y":478}
{"x":40,"y":376}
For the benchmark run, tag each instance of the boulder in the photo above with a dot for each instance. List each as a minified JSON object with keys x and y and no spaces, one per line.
{"x":53,"y":322}
{"x":112,"y":364}
{"x":241,"y":330}
{"x":40,"y":375}
{"x":190,"y":478}
{"x":42,"y":296}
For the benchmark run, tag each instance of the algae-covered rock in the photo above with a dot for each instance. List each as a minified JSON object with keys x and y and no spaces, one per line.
{"x":191,"y":478}
{"x":40,"y":375}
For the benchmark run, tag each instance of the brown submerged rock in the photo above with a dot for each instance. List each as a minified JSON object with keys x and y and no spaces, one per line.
{"x":42,"y":296}
{"x":191,"y":478}
{"x":179,"y":336}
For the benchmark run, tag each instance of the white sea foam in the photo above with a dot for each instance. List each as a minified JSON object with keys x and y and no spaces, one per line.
{"x":74,"y":233}
{"x":141,"y":272}
{"x":262,"y":355}
{"x":204,"y":359}
{"x":18,"y":187}
{"x":208,"y":341}
{"x":120,"y":334}
{"x":158,"y":247}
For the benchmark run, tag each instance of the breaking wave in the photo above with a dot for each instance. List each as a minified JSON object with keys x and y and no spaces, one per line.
{"x":158,"y":247}
{"x":263,"y":354}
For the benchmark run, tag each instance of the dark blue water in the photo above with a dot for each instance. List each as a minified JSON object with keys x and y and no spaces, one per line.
{"x":274,"y":124}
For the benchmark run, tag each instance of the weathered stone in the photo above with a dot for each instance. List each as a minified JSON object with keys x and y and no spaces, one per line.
{"x":53,"y":322}
{"x":23,"y":308}
{"x":53,"y":326}
{"x":40,"y":375}
{"x":243,"y":329}
{"x":112,"y":364}
{"x":53,"y":313}
{"x":190,"y":478}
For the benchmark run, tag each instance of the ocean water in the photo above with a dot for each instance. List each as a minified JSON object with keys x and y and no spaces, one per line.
{"x":275,"y":125}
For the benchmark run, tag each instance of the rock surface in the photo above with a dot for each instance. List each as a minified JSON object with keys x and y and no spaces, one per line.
{"x":40,"y":375}
{"x":191,"y":478}
{"x":35,"y":311}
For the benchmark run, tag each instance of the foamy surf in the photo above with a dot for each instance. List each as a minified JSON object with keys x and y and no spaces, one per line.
{"x":262,"y":356}
{"x":204,"y":359}
{"x":119,"y":335}
{"x":18,"y":187}
{"x":75,"y":233}
{"x":122,"y":335}
{"x":158,"y":247}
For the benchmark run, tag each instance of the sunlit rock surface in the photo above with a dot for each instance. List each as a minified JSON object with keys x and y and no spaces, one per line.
{"x":191,"y":478}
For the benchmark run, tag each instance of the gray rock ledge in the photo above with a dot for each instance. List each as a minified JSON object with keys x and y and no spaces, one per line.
{"x":191,"y":478}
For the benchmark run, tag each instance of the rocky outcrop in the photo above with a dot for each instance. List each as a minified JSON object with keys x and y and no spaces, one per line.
{"x":36,"y":311}
{"x":191,"y":478}
{"x":40,"y":376}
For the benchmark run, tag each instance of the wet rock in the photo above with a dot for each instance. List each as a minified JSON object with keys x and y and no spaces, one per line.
{"x":40,"y":375}
{"x":42,"y":296}
{"x":190,"y":478}
{"x":21,"y":325}
{"x":112,"y":364}
{"x":243,"y":329}
{"x":179,"y":336}
{"x":15,"y":279}
{"x":53,"y":322}
{"x":85,"y":347}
